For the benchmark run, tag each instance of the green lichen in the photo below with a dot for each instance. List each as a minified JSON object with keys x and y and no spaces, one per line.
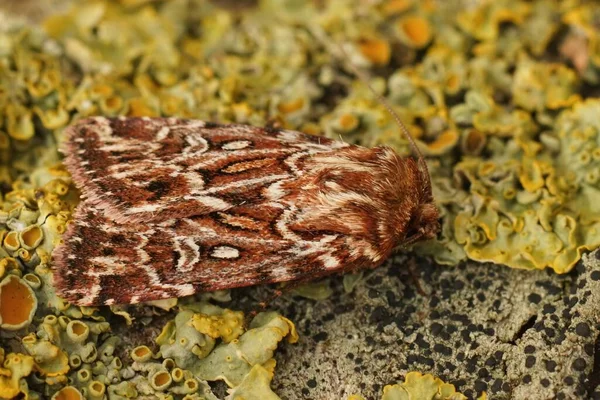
{"x":231,"y":362}
{"x":511,"y":141}
{"x":190,"y":355}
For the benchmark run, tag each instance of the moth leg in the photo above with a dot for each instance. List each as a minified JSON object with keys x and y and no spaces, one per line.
{"x":287,"y":287}
{"x":415,"y":278}
{"x":263,"y":305}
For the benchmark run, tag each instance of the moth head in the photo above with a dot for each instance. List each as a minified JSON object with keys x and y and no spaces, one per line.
{"x":424,"y":224}
{"x":417,"y":214}
{"x":376,"y":199}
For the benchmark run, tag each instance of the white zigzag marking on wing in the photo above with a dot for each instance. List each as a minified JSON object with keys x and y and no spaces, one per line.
{"x":246,"y":182}
{"x":185,"y":265}
{"x":163,"y":133}
{"x":90,"y":296}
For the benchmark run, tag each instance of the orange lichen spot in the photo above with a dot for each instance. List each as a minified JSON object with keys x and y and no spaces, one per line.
{"x":11,"y":241}
{"x":416,"y":30}
{"x":31,"y":237}
{"x":101,"y":90}
{"x":111,"y":104}
{"x":453,"y":84}
{"x":96,"y":388}
{"x":17,"y":303}
{"x":161,"y":380}
{"x":192,"y":47}
{"x":139,"y":108}
{"x":445,"y":141}
{"x":191,"y":384}
{"x":348,"y":122}
{"x":396,"y":6}
{"x":177,"y":374}
{"x":77,"y":331}
{"x":68,"y":393}
{"x":59,"y":187}
{"x":531,"y":176}
{"x":24,"y":255}
{"x":310,"y":128}
{"x":228,"y":325}
{"x":376,"y":50}
{"x":171,"y":104}
{"x":8,"y":264}
{"x":141,"y":354}
{"x":289,"y":107}
{"x":486,"y":168}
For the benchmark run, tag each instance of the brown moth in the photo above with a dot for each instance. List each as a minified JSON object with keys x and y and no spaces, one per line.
{"x":172,"y":207}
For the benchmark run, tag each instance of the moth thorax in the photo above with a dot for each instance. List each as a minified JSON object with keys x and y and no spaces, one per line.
{"x":369,"y":195}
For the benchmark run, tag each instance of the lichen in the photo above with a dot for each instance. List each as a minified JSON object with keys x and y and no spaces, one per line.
{"x":497,"y":96}
{"x":18,"y":303}
{"x":15,"y":367}
{"x":417,"y":386}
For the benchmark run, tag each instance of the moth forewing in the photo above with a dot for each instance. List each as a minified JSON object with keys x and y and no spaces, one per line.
{"x":172,"y":207}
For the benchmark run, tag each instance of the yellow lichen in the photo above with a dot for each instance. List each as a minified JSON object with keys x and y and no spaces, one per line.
{"x":291,"y":106}
{"x":18,"y":303}
{"x":512,"y":149}
{"x":255,"y":385}
{"x":11,"y":241}
{"x":96,"y":390}
{"x":396,"y":6}
{"x":32,"y":280}
{"x":416,"y":31}
{"x":423,"y":387}
{"x":161,"y":380}
{"x":232,"y":361}
{"x":442,"y":143}
{"x":15,"y":367}
{"x":228,"y":325}
{"x":141,"y":354}
{"x":50,"y":360}
{"x":31,"y":237}
{"x":376,"y":50}
{"x":68,"y":393}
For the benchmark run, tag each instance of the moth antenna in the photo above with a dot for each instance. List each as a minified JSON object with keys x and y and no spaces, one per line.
{"x":363,"y":77}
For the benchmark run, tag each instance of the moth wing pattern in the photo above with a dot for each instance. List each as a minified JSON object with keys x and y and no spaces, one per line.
{"x":154,"y":169}
{"x":290,"y":207}
{"x":103,"y":262}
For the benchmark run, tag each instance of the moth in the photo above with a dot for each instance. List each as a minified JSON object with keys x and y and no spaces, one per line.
{"x":171,"y":207}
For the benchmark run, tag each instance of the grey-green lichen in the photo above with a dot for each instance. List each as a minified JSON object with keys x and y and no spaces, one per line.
{"x":511,"y":140}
